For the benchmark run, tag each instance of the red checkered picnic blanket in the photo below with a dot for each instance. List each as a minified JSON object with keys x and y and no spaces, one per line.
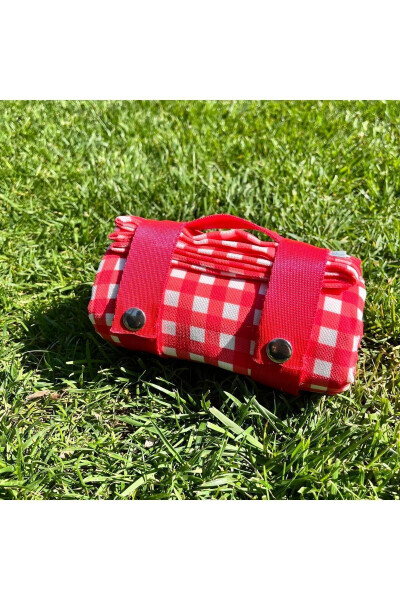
{"x":214,"y":297}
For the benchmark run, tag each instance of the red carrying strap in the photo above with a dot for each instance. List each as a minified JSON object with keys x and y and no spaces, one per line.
{"x":289,"y":311}
{"x":145,"y":276}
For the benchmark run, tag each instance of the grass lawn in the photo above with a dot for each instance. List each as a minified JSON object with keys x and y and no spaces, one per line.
{"x":113,"y":424}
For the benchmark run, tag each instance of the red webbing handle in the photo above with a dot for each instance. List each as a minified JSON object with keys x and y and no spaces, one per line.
{"x":228,"y":221}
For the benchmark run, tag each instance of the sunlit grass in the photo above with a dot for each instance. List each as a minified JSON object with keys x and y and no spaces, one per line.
{"x":114,"y":424}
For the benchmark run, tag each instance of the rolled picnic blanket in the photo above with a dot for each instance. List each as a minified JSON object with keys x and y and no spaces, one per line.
{"x":283,"y":312}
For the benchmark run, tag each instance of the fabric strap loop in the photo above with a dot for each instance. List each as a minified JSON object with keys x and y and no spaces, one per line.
{"x":289,"y":310}
{"x":145,"y":275}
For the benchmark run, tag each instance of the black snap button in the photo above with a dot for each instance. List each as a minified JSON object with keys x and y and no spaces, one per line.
{"x":133,"y":319}
{"x":279,"y":350}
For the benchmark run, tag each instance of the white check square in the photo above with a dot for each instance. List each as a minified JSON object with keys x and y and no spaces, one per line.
{"x":112,"y":290}
{"x":120,"y":264}
{"x":323,"y":368}
{"x":264,"y":261}
{"x":171,"y":298}
{"x":109,"y":319}
{"x":169,"y":327}
{"x":356,"y":341}
{"x":328,"y":336}
{"x":231,"y":311}
{"x":178,"y":273}
{"x":196,"y":357}
{"x":225,"y":365}
{"x":227,"y":341}
{"x":333,"y":305}
{"x":207,"y":279}
{"x":318,"y":388}
{"x":200,"y":304}
{"x":263,"y":289}
{"x":234,"y":256}
{"x":169,"y":351}
{"x":197,"y":334}
{"x":257,"y":316}
{"x":236,"y":284}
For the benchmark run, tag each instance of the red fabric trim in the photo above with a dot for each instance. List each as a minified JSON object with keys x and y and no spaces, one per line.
{"x":145,"y":276}
{"x":289,"y":311}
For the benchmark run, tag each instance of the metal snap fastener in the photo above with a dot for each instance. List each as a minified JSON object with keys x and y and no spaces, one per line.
{"x":133,"y":319}
{"x":279,"y":350}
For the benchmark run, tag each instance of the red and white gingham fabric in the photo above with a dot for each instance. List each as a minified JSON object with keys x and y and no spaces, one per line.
{"x":214,"y":298}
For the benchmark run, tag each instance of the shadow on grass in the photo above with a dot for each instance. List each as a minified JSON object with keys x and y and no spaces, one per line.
{"x":61,"y":344}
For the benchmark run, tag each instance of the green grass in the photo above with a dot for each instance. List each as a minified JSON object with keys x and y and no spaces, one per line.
{"x":114,"y":424}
